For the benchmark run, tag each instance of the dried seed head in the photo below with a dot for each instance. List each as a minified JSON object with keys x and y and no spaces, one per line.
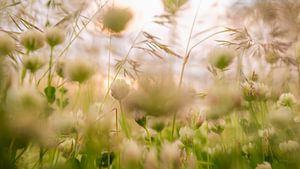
{"x":79,"y":70}
{"x":7,"y":44}
{"x":32,"y":40}
{"x":173,"y":6}
{"x":119,"y":89}
{"x":55,"y":36}
{"x":115,"y":20}
{"x":271,"y":57}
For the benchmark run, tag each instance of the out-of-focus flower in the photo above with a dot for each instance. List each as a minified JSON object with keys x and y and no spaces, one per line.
{"x":266,"y":133}
{"x":67,"y":147}
{"x":281,"y":117}
{"x":222,"y":99}
{"x":115,"y":20}
{"x":221,"y":58}
{"x":32,"y":40}
{"x":33,"y":63}
{"x":255,"y":91}
{"x":170,"y":155}
{"x":157,"y":123}
{"x":7,"y":44}
{"x":186,"y":135}
{"x":217,"y":126}
{"x":247,"y":148}
{"x":158,"y":98}
{"x":55,"y":36}
{"x":286,"y":100}
{"x":79,"y":70}
{"x":131,"y":154}
{"x":289,"y":146}
{"x":151,"y":161}
{"x":264,"y":165}
{"x":173,"y":6}
{"x":119,"y":89}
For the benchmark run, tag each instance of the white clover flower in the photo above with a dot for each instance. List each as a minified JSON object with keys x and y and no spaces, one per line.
{"x":265,"y":133}
{"x":186,"y":134}
{"x":261,"y":90}
{"x":7,"y":44}
{"x":131,"y":153}
{"x":289,"y":146}
{"x":32,"y":40}
{"x":55,"y":36}
{"x":287,"y":100}
{"x":170,"y":155}
{"x":264,"y":165}
{"x":79,"y":70}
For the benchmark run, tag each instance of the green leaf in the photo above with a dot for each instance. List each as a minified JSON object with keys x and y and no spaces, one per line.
{"x":50,"y":93}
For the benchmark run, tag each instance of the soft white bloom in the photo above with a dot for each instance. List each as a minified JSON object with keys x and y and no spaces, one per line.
{"x":287,"y":100}
{"x":289,"y":146}
{"x":264,"y":165}
{"x":186,"y":134}
{"x":268,"y":132}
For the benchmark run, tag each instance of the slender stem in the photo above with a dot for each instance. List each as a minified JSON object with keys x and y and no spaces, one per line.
{"x":109,"y":60}
{"x":50,"y":66}
{"x":148,"y":134}
{"x":23,"y":74}
{"x":173,"y":125}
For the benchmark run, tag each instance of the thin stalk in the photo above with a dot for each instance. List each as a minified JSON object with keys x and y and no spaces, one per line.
{"x":50,"y":66}
{"x":124,"y":121}
{"x":148,"y":134}
{"x":23,"y":74}
{"x":109,"y":60}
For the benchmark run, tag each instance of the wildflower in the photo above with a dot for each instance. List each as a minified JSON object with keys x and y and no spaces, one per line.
{"x":7,"y":44}
{"x":172,"y":6}
{"x":67,"y":147}
{"x":264,"y":165}
{"x":221,"y":100}
{"x":217,"y":126}
{"x":116,"y":19}
{"x":186,"y":135}
{"x":286,"y":100}
{"x":119,"y":89}
{"x":32,"y":40}
{"x":33,"y":63}
{"x":140,"y":119}
{"x":170,"y":155}
{"x":158,"y":98}
{"x":79,"y":70}
{"x":157,"y":124}
{"x":131,"y":154}
{"x":221,"y":58}
{"x":255,"y":91}
{"x":289,"y":146}
{"x":55,"y":36}
{"x":266,"y":133}
{"x":281,"y":117}
{"x":151,"y":161}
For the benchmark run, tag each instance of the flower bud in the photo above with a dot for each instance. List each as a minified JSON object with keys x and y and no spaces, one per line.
{"x":32,"y":40}
{"x":55,"y":36}
{"x":119,"y":89}
{"x":7,"y":44}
